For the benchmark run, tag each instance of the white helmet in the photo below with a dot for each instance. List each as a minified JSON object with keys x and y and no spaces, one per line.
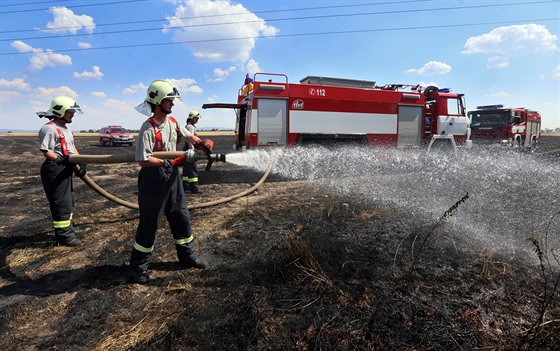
{"x":193,"y":114}
{"x":159,"y":90}
{"x":61,"y":104}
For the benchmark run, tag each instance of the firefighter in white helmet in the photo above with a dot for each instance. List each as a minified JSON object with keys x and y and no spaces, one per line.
{"x":57,"y":144}
{"x":160,"y":190}
{"x":190,"y":170}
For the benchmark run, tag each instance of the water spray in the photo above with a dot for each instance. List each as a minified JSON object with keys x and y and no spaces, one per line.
{"x":423,"y":186}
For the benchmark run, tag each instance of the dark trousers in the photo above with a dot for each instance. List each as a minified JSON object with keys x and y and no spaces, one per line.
{"x":190,"y":174}
{"x":190,"y":177}
{"x":160,"y":192}
{"x":57,"y":182}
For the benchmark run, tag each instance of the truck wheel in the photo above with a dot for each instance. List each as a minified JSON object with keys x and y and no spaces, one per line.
{"x":111,"y":143}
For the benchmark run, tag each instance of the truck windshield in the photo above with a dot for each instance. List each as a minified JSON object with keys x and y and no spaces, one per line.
{"x":118,"y":130}
{"x":489,"y":119}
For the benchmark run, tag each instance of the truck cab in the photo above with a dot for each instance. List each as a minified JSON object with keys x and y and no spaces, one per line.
{"x":508,"y":126}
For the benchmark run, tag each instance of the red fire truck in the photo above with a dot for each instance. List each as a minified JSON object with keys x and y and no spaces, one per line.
{"x":510,"y":126}
{"x":272,"y":111}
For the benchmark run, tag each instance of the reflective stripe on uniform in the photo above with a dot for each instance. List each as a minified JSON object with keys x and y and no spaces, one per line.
{"x":142,"y":248}
{"x":190,"y":180}
{"x":62,"y":224}
{"x":184,"y":240}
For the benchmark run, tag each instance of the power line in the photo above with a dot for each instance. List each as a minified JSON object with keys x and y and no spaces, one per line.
{"x":292,"y":35}
{"x":71,"y":7}
{"x":32,"y":3}
{"x":230,"y":14}
{"x":282,"y":19}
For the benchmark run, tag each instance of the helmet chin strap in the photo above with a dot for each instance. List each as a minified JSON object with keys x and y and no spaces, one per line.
{"x":67,"y":121}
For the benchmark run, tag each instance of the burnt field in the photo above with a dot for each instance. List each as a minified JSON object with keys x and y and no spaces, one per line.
{"x":334,"y":251}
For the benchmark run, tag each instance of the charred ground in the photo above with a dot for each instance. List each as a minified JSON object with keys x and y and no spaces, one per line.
{"x":292,"y":267}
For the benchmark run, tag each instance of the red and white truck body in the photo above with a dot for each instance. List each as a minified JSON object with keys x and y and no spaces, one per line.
{"x":272,"y":111}
{"x":512,"y":126}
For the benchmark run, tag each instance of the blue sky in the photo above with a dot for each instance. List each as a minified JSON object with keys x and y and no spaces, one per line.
{"x":104,"y":53}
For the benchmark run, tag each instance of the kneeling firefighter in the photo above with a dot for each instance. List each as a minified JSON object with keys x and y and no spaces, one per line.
{"x":160,"y":188}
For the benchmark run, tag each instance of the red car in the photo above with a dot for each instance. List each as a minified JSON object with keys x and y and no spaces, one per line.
{"x":115,"y":135}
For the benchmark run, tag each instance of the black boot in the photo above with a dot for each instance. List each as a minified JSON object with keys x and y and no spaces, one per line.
{"x":193,"y":263}
{"x":194,"y":188}
{"x":71,"y":242}
{"x":139,"y":276}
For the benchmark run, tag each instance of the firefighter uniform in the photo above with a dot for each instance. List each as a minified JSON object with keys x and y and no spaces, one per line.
{"x":160,"y":192}
{"x":190,"y":170}
{"x":57,"y":179}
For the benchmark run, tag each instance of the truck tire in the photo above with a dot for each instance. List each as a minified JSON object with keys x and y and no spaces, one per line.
{"x":111,"y":142}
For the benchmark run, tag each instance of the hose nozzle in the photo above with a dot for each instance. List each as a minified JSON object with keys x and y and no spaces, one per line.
{"x":220,"y":157}
{"x":210,"y":157}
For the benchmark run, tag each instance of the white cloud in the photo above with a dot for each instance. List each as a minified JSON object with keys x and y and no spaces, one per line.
{"x":7,"y":96}
{"x":212,"y":98}
{"x":20,"y":46}
{"x":497,"y":62}
{"x":186,"y":85}
{"x":200,"y":18}
{"x":556,"y":73}
{"x":12,"y":89}
{"x":98,"y":94}
{"x":65,"y":21}
{"x":221,"y":74}
{"x":253,"y":67}
{"x":41,"y":58}
{"x":50,"y":93}
{"x":94,"y":74}
{"x":523,"y":39}
{"x":431,"y":68}
{"x":428,"y":84}
{"x":16,"y":84}
{"x":501,"y":94}
{"x":134,"y":88}
{"x":84,"y":45}
{"x":118,"y":105}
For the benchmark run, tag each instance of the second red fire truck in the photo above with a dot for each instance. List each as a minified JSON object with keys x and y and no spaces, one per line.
{"x":271,"y":111}
{"x":510,"y":126}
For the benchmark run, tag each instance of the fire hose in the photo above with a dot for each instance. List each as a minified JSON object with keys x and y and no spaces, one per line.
{"x":123,"y":158}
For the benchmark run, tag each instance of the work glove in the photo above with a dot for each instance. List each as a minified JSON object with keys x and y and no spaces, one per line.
{"x":168,"y":164}
{"x":81,"y":171}
{"x":62,"y":160}
{"x":188,"y":156}
{"x":205,"y":146}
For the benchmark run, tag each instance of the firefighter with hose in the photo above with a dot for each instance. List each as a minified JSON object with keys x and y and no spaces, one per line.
{"x":190,"y":170}
{"x":57,"y":144}
{"x":160,"y":188}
